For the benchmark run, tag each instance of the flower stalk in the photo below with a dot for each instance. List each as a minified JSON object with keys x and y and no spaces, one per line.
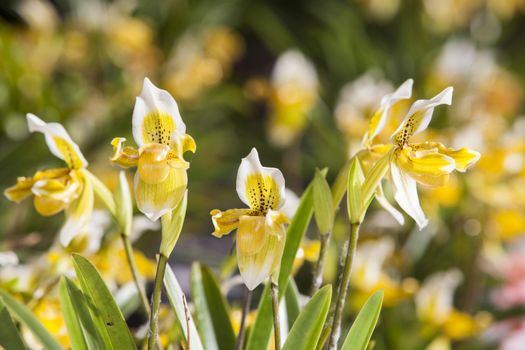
{"x":343,"y":285}
{"x":155,"y":301}
{"x":245,"y":311}
{"x":135,"y":274}
{"x":274,"y":288}
{"x":321,"y":261}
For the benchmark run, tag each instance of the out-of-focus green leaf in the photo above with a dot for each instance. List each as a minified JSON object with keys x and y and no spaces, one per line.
{"x":178,"y":301}
{"x":291,"y":298}
{"x":340,"y":184}
{"x":10,"y":339}
{"x":262,"y":328}
{"x":93,"y":328}
{"x":212,"y":314}
{"x":323,"y":205}
{"x":363,"y":326}
{"x":94,"y":287}
{"x":22,"y":314}
{"x":74,"y":328}
{"x":307,"y":328}
{"x":354,"y":197}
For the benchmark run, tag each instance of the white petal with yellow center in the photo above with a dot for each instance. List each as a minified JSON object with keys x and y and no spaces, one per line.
{"x":58,"y":141}
{"x":156,"y":116}
{"x":261,"y":188}
{"x":420,"y":114}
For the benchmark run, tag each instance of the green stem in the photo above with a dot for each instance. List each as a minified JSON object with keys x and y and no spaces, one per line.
{"x":319,"y":266}
{"x":134,"y":273}
{"x":275,"y":303}
{"x":343,"y":286}
{"x":155,"y":301}
{"x":245,"y":311}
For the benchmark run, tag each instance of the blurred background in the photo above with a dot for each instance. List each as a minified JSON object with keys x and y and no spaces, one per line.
{"x":299,"y":80}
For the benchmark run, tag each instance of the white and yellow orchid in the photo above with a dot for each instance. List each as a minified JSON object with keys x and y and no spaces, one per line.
{"x":58,"y":189}
{"x":160,"y":134}
{"x":427,"y":163}
{"x":261,"y":227}
{"x":294,"y":90}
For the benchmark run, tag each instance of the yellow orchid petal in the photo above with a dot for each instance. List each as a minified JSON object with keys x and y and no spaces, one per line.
{"x":125,"y":157}
{"x":464,"y":157}
{"x":424,"y":162}
{"x":155,"y":200}
{"x":188,"y":144}
{"x":58,"y":141}
{"x":431,"y":181}
{"x":47,"y":206}
{"x":153,"y":167}
{"x":65,"y":188}
{"x":78,"y":213}
{"x":21,"y":190}
{"x":52,"y":173}
{"x":261,"y":188}
{"x":226,"y":221}
{"x":259,"y":249}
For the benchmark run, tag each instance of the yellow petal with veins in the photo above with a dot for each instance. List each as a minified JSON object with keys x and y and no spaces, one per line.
{"x":125,"y":157}
{"x":188,"y":144}
{"x":69,"y":153}
{"x":431,"y":181}
{"x":263,"y":192}
{"x":153,"y":167}
{"x":158,"y":127}
{"x":424,"y":162}
{"x":251,"y":235}
{"x":155,"y":200}
{"x":226,"y":221}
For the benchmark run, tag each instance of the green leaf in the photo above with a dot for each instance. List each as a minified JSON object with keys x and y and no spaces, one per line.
{"x":10,"y":339}
{"x":262,"y":328}
{"x":172,"y":223}
{"x":74,"y":328}
{"x":307,"y":328}
{"x":178,"y":301}
{"x":340,"y":184}
{"x":24,"y":315}
{"x":363,"y":326}
{"x":102,"y":192}
{"x":323,"y":205}
{"x":374,"y":177}
{"x":93,"y":327}
{"x":212,"y":313}
{"x":107,"y":310}
{"x":291,"y":298}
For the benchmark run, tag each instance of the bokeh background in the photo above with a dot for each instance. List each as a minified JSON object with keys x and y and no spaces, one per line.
{"x":82,"y":63}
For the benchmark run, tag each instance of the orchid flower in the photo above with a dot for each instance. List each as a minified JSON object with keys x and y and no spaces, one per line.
{"x":260,"y":228}
{"x":160,"y":134}
{"x":57,"y":189}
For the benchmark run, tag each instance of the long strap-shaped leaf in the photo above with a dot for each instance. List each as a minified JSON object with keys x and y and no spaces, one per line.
{"x":74,"y":328}
{"x":10,"y":339}
{"x":177,"y":300}
{"x":262,"y":328}
{"x":211,"y":310}
{"x":22,"y":314}
{"x":364,"y":324}
{"x":307,"y":328}
{"x":107,"y":310}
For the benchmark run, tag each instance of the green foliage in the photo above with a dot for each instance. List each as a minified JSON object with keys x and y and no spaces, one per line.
{"x":323,"y":206}
{"x":359,"y":335}
{"x":10,"y":339}
{"x":109,"y":319}
{"x":211,"y":310}
{"x":307,"y":328}
{"x":24,"y":315}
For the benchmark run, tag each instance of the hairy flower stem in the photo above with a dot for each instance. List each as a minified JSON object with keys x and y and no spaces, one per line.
{"x":319,"y":266}
{"x":343,"y":286}
{"x":155,"y":301}
{"x":245,"y":311}
{"x":135,"y":273}
{"x":276,"y":323}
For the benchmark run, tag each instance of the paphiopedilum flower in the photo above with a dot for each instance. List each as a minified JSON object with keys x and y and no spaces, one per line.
{"x":160,"y":134}
{"x":261,"y":227}
{"x":294,"y":90}
{"x":58,"y":189}
{"x":427,"y":163}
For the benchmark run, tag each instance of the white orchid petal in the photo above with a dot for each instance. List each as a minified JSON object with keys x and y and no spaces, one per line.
{"x":251,"y":165}
{"x":58,"y":141}
{"x":154,"y":100}
{"x":383,"y":201}
{"x":406,"y":196}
